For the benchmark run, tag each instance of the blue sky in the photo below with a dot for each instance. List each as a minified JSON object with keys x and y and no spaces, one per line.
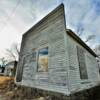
{"x":17,"y":16}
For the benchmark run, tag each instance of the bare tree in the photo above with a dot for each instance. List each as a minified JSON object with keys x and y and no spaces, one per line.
{"x":90,"y":37}
{"x":80,"y":31}
{"x":13,"y":53}
{"x":3,"y":61}
{"x":97,"y":50}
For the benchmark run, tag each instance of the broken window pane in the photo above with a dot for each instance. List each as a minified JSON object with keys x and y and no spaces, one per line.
{"x":43,"y":60}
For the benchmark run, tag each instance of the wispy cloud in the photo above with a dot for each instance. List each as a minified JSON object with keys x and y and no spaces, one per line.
{"x":16,"y":16}
{"x":84,"y":15}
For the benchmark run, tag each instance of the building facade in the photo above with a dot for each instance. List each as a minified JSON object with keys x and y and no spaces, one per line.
{"x":54,"y":58}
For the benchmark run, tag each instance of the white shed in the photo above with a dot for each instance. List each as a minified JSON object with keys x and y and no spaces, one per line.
{"x":54,"y":58}
{"x":10,"y":68}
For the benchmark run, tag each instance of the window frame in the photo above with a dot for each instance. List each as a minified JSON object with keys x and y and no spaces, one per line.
{"x":82,"y":75}
{"x":37,"y":58}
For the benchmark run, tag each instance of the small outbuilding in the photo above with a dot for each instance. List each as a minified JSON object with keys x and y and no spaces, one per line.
{"x":2,"y":69}
{"x":54,"y":58}
{"x":10,"y":68}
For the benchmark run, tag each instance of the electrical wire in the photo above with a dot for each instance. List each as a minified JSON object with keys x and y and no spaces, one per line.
{"x":9,"y":18}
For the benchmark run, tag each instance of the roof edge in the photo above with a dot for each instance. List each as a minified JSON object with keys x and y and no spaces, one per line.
{"x":44,"y":18}
{"x":80,"y":41}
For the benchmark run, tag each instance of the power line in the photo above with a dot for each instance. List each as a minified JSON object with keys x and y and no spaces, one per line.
{"x":8,"y":17}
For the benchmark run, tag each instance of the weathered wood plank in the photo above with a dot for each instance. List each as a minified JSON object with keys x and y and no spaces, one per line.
{"x":50,"y":32}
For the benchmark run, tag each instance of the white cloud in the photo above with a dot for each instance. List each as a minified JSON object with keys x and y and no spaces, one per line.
{"x":16,"y":17}
{"x":15,"y":20}
{"x":83,"y":14}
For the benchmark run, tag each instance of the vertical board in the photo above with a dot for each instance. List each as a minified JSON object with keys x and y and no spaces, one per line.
{"x":82,"y":64}
{"x":20,"y":71}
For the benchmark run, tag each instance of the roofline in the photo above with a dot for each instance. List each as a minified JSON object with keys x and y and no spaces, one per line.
{"x":70,"y":32}
{"x":80,"y":41}
{"x":44,"y":18}
{"x":11,"y":62}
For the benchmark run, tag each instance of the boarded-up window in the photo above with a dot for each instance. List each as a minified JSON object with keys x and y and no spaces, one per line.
{"x":26,"y":60}
{"x":82,"y":64}
{"x":20,"y":71}
{"x":43,"y":60}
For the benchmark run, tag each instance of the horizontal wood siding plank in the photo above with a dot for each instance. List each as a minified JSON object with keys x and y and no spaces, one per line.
{"x":50,"y":33}
{"x":75,"y":83}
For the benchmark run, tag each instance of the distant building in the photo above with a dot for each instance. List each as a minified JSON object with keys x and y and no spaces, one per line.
{"x":10,"y":68}
{"x":2,"y":69}
{"x":54,"y":58}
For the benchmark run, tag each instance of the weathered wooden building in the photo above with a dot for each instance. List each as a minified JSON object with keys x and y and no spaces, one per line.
{"x":10,"y":68}
{"x":54,"y":58}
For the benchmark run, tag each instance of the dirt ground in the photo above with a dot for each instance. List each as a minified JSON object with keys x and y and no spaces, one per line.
{"x":10,"y":91}
{"x":3,"y":81}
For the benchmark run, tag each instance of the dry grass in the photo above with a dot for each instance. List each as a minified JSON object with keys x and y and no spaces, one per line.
{"x":5,"y":83}
{"x":3,"y":79}
{"x":10,"y":91}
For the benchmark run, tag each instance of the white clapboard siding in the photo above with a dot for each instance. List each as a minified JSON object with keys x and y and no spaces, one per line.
{"x":49,"y":32}
{"x":74,"y":77}
{"x":63,"y":64}
{"x":76,"y":83}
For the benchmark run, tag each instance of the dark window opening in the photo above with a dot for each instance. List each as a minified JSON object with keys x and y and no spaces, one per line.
{"x":82,"y":64}
{"x":20,"y":71}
